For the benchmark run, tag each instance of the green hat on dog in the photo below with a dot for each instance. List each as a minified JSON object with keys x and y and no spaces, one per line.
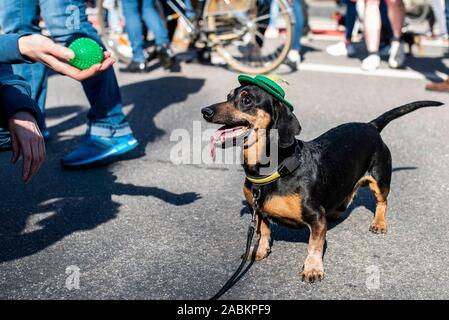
{"x":267,"y":85}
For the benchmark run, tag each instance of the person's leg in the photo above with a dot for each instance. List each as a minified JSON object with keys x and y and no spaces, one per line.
{"x":66,"y":19}
{"x":384,"y":18}
{"x":305,"y":14}
{"x":350,"y":18}
{"x":396,"y":15}
{"x":294,"y":56}
{"x":438,"y":9}
{"x":274,"y":11}
{"x":154,"y":23}
{"x":21,"y":16}
{"x":134,"y":27}
{"x":299,"y":25}
{"x":189,"y":10}
{"x":372,"y":24}
{"x":346,"y":48}
{"x":446,"y":12}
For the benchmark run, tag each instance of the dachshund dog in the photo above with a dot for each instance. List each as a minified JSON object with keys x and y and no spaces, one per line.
{"x":331,"y":167}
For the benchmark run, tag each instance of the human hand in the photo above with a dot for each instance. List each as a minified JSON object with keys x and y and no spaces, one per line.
{"x":42,"y":49}
{"x":27,"y":141}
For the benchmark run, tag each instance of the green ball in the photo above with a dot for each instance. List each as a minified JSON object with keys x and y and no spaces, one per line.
{"x":87,"y":53}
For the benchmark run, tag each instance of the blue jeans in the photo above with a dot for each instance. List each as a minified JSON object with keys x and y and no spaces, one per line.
{"x":383,"y":7}
{"x":350,"y":17}
{"x":66,"y":19}
{"x":446,"y":12}
{"x":134,"y":11}
{"x":299,"y":25}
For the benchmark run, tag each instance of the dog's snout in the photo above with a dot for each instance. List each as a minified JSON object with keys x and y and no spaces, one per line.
{"x":208,"y":113}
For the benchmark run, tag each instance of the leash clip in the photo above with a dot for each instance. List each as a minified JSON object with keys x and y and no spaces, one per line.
{"x":256,"y":197}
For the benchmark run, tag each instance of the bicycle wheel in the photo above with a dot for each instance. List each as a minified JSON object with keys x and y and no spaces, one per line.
{"x":237,"y":30}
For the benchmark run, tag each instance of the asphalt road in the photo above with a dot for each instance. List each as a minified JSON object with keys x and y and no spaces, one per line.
{"x":146,"y":228}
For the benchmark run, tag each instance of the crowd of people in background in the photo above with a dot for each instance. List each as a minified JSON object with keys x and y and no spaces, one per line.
{"x":380,"y":22}
{"x":108,"y":132}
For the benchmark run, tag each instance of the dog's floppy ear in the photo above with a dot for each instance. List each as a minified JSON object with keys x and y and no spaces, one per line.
{"x":286,"y":123}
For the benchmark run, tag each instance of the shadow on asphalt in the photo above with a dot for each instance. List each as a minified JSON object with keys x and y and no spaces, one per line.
{"x":428,"y":66}
{"x":364,"y":198}
{"x":152,"y":96}
{"x":65,"y":202}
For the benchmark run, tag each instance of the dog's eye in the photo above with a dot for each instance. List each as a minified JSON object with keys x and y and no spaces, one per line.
{"x":246,"y":101}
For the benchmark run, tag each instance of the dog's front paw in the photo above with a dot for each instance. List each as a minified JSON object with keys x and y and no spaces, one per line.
{"x":313,"y":269}
{"x":378,"y":227}
{"x":262,"y":252}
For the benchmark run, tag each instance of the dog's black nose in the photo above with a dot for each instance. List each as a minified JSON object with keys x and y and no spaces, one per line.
{"x":208,"y":113}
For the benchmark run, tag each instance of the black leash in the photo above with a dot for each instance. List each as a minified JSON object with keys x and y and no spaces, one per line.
{"x":232,"y":281}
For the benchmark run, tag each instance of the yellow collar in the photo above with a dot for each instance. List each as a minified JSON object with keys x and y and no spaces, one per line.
{"x":274,"y":176}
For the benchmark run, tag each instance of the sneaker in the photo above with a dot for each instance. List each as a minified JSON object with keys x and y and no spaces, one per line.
{"x":134,"y":67}
{"x":95,"y":148}
{"x":293,"y":60}
{"x":371,"y":63}
{"x":341,"y":49}
{"x":166,"y":57}
{"x":397,"y":55}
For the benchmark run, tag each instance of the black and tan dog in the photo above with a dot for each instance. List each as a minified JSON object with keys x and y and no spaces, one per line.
{"x":331,"y":167}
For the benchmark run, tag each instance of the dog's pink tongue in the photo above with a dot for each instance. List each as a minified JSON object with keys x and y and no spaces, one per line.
{"x":222,"y":134}
{"x":213,"y":140}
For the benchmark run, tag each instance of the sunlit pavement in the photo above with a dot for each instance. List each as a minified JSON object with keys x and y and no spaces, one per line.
{"x":149,"y":229}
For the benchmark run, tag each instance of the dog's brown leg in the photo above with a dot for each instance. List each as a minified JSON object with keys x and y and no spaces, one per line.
{"x":379,"y":225}
{"x":264,"y":243}
{"x":313,"y":266}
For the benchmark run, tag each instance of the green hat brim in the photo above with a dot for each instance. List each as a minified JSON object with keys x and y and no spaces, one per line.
{"x":265,"y":86}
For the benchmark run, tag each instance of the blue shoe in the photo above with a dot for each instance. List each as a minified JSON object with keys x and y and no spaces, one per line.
{"x":95,"y":148}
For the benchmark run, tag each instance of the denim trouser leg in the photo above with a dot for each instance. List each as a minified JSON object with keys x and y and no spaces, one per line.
{"x":274,"y":12}
{"x":64,"y":19}
{"x":446,"y":12}
{"x":383,"y":7}
{"x":134,"y":28}
{"x":134,"y":11}
{"x":189,"y":11}
{"x":299,"y":25}
{"x":154,"y":23}
{"x":351,"y":16}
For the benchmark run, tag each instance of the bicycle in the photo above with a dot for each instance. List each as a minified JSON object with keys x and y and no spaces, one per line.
{"x":235,"y":29}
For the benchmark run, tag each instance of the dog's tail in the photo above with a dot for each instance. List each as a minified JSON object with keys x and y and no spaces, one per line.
{"x":389,"y":116}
